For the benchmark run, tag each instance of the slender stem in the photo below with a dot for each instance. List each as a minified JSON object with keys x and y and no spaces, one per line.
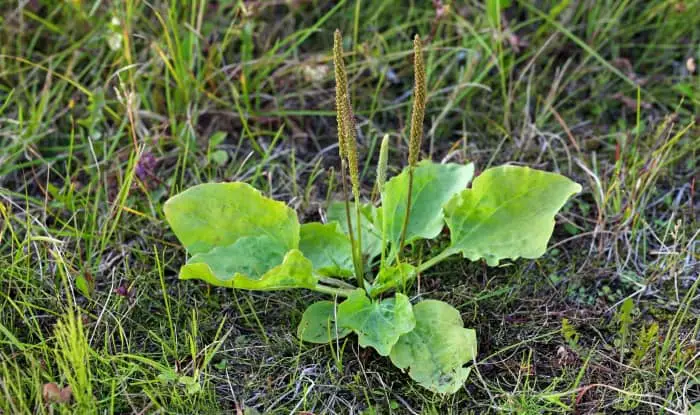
{"x":348,"y":216}
{"x":436,"y":259}
{"x":343,"y":180}
{"x":340,"y":292}
{"x":336,"y":283}
{"x":383,"y":258}
{"x":408,"y":211}
{"x":360,"y":261}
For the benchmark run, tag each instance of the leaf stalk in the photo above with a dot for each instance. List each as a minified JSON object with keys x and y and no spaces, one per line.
{"x":340,"y":292}
{"x":436,"y":259}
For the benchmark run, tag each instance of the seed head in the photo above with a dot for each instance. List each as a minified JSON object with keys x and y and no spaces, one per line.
{"x":347,"y":139}
{"x":419,"y":99}
{"x":341,"y":92}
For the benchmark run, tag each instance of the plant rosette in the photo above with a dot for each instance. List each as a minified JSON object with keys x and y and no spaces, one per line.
{"x":238,"y":238}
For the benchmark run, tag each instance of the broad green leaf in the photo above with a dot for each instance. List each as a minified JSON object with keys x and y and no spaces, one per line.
{"x":295,"y":271}
{"x":250,"y":255}
{"x":508,"y":213}
{"x":377,"y":323}
{"x":318,"y":324}
{"x":436,"y":351}
{"x":328,"y":248}
{"x":396,"y":276}
{"x":433,"y":185}
{"x":371,"y":236}
{"x":213,"y":215}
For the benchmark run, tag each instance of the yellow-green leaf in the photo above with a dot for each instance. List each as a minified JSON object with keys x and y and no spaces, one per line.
{"x":213,"y":215}
{"x":377,"y":323}
{"x":328,"y":248}
{"x":433,"y":185}
{"x":295,"y":271}
{"x":250,"y":255}
{"x":318,"y":324}
{"x":239,"y":238}
{"x":437,"y":349}
{"x":508,"y":213}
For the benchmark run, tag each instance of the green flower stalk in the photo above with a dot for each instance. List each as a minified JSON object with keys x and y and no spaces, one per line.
{"x":347,"y":138}
{"x":416,"y":137}
{"x":347,"y":146}
{"x":383,"y":160}
{"x":351,"y":153}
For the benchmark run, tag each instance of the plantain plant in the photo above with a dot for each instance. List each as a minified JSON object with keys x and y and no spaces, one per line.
{"x":238,"y":238}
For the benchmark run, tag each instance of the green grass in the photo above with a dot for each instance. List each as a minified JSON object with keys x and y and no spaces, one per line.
{"x":107,"y":108}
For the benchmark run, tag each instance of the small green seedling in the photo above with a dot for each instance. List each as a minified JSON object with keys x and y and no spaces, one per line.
{"x":238,"y":238}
